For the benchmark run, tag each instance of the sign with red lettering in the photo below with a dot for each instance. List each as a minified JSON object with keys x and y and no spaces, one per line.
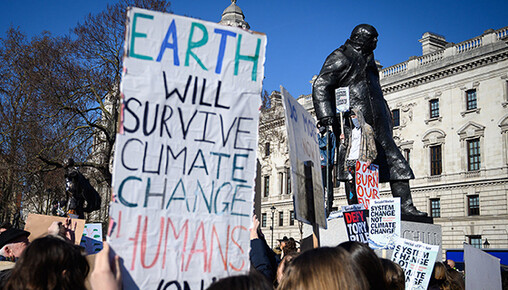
{"x":185,"y":158}
{"x":355,"y":218}
{"x":367,"y":182}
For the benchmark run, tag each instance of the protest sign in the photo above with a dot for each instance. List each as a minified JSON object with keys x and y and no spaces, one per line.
{"x":482,"y":269}
{"x":417,"y":260}
{"x":38,"y":224}
{"x":355,"y":218}
{"x":367,"y":182}
{"x":304,"y":158}
{"x":384,"y":218}
{"x":185,"y":155}
{"x":91,"y":239}
{"x":342,"y":99}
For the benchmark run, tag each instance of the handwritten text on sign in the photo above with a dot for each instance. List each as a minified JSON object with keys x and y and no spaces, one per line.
{"x":185,"y":159}
{"x":367,"y":182}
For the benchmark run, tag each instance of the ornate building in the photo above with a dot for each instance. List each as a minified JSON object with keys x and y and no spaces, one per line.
{"x":450,"y":121}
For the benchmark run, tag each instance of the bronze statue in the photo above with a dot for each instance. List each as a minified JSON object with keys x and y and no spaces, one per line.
{"x":80,"y":191}
{"x":352,"y":65}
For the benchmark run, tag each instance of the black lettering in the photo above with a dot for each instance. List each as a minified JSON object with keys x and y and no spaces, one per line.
{"x":128,"y":109}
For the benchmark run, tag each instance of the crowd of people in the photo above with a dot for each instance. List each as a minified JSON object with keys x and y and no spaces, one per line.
{"x":55,"y":262}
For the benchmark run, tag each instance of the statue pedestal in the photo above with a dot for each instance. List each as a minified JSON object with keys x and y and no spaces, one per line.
{"x":336,"y":233}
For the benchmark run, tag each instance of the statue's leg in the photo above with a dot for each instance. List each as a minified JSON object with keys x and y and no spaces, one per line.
{"x":400,"y":188}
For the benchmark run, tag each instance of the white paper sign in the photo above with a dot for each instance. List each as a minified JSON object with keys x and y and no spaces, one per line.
{"x":384,"y":218}
{"x":342,"y":99}
{"x":304,"y":157}
{"x":185,"y":158}
{"x":417,"y":260}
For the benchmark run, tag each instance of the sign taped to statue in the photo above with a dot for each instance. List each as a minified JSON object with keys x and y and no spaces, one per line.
{"x":185,"y":158}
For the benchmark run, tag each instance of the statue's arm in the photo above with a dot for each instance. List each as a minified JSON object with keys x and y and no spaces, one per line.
{"x":332,"y":76}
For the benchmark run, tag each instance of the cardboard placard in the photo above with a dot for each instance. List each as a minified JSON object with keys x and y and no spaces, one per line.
{"x":38,"y":224}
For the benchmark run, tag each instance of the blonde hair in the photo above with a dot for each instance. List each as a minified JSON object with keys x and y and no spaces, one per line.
{"x":323,"y":268}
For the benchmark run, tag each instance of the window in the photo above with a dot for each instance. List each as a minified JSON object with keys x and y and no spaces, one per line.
{"x":407,"y":154}
{"x":434,"y":108}
{"x":281,"y":182}
{"x":473,"y":154}
{"x":435,"y":160}
{"x":267,"y":148}
{"x":471,"y":103}
{"x":435,"y":207}
{"x":396,"y":117}
{"x":288,"y":185}
{"x":473,"y":205}
{"x":291,"y":218}
{"x":281,"y":218}
{"x":475,"y":241}
{"x":263,"y":220}
{"x":267,"y":186}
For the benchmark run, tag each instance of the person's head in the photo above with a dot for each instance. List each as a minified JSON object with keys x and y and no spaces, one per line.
{"x":13,"y":242}
{"x":450,"y":263}
{"x":394,"y":275}
{"x":364,"y":37}
{"x":289,"y":246}
{"x":438,"y":277}
{"x":282,"y":242}
{"x":323,"y":268}
{"x":368,"y":262}
{"x":455,"y":279}
{"x":252,"y":281}
{"x":283,"y":265}
{"x":50,"y":263}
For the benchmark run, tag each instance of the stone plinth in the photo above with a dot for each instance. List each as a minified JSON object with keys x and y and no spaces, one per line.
{"x":336,"y":234}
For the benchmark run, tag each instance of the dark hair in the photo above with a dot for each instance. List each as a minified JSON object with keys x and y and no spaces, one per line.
{"x":394,"y":275}
{"x":49,"y":263}
{"x":368,"y":262}
{"x":252,"y":281}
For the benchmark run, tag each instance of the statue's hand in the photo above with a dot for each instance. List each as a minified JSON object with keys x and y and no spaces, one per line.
{"x":326,"y":121}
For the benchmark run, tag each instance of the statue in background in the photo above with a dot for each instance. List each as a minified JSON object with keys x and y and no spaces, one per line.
{"x":83,"y":197}
{"x":352,"y":65}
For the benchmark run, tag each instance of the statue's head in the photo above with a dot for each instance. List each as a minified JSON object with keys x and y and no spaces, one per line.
{"x":69,"y":162}
{"x":364,"y":36}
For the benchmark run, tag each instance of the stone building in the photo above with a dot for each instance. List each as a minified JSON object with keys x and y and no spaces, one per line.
{"x":450,"y":121}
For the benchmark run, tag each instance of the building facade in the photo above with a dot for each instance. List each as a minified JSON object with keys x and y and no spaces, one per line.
{"x":451,"y":123}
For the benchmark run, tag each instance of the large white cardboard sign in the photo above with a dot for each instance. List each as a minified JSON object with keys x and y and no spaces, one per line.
{"x":185,"y":155}
{"x":304,"y":157}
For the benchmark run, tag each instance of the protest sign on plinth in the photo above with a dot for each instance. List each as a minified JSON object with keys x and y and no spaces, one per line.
{"x":185,"y":155}
{"x":367,"y":182}
{"x":384,"y":217}
{"x":304,"y":158}
{"x":355,"y":219}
